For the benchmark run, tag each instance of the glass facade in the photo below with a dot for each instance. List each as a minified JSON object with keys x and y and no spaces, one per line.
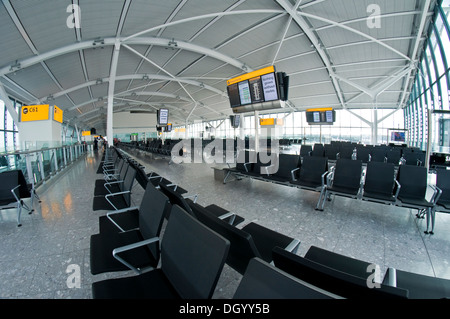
{"x":9,"y":133}
{"x":431,"y":89}
{"x":349,"y":126}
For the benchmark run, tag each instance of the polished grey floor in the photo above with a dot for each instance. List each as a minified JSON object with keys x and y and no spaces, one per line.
{"x":49,"y":255}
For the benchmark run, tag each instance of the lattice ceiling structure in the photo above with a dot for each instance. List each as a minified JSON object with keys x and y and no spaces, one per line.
{"x":142,"y":55}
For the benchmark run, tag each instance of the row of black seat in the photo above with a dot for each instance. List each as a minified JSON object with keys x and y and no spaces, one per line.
{"x":198,"y":241}
{"x":366,"y":153}
{"x":382,"y":182}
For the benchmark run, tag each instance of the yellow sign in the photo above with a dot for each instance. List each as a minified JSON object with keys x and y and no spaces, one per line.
{"x":271,"y":121}
{"x":34,"y":113}
{"x":57,"y":114}
{"x":85,"y":133}
{"x":320,"y":109}
{"x":251,"y":75}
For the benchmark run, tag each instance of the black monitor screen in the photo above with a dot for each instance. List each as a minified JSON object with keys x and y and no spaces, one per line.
{"x":163,"y":116}
{"x":235,"y":119}
{"x":398,"y":136}
{"x":256,"y":90}
{"x":269,"y":84}
{"x":233,"y":93}
{"x":244,"y":92}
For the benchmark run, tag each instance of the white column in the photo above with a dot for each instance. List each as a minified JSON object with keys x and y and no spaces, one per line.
{"x":112,"y":80}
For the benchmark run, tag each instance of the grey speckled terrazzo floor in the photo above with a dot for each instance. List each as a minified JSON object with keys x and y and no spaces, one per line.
{"x":37,"y":260}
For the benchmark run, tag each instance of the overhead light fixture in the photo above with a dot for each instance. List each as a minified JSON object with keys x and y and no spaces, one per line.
{"x":15,"y":67}
{"x":172,"y":44}
{"x":98,"y":42}
{"x":50,"y":98}
{"x":145,"y":78}
{"x":99,"y":81}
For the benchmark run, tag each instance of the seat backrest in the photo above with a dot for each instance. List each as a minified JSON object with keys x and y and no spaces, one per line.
{"x":305,"y":150}
{"x":245,"y":157}
{"x":347,"y":173}
{"x":346,"y":151}
{"x":286,"y":163}
{"x":264,"y":281}
{"x":331,"y":151}
{"x":413,"y":181}
{"x":312,"y":169}
{"x":443,"y":182}
{"x":380,"y":178}
{"x":175,"y":198}
{"x":363,"y":153}
{"x":393,"y":156}
{"x":378,"y":154}
{"x":154,"y":207}
{"x":128,"y":184}
{"x":242,"y":246}
{"x":8,"y":180}
{"x":318,"y":150}
{"x":192,"y":255}
{"x":333,"y":280}
{"x":337,"y":261}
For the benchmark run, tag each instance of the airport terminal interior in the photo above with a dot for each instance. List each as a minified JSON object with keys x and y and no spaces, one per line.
{"x":233,"y":149}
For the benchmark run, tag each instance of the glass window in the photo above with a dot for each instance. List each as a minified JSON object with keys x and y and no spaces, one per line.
{"x":2,"y":113}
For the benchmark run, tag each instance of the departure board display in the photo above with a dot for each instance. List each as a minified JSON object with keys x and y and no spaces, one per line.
{"x":256,"y":87}
{"x":324,"y":116}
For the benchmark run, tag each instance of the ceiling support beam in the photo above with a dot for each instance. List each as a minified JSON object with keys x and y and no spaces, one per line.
{"x":112,"y":82}
{"x":301,"y":22}
{"x":12,"y":111}
{"x":414,"y":61}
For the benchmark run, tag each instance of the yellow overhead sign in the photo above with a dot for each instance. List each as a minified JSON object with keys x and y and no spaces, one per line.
{"x":251,"y":75}
{"x":34,"y":113}
{"x":323,"y":109}
{"x":271,"y":121}
{"x":57,"y":114}
{"x":85,"y":133}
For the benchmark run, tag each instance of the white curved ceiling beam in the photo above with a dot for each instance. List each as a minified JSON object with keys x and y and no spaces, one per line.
{"x":111,"y":41}
{"x":292,"y":11}
{"x":123,"y":95}
{"x":138,"y":77}
{"x":343,"y":26}
{"x":205,"y":16}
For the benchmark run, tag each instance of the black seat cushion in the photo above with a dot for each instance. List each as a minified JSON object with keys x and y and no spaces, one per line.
{"x":266,"y":239}
{"x":102,"y":259}
{"x":127,"y":221}
{"x":151,"y":285}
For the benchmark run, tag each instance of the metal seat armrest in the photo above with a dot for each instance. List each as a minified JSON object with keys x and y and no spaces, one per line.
{"x":175,"y":186}
{"x":293,"y":246}
{"x":115,"y":194}
{"x":324,"y":177}
{"x":392,"y":277}
{"x":229,"y":214}
{"x":119,"y":250}
{"x":195,"y":196}
{"x":292,"y":173}
{"x":398,"y":189}
{"x":436,"y":195}
{"x":13,"y":191}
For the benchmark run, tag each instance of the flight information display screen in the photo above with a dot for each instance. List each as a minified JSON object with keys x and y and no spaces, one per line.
{"x":254,"y":87}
